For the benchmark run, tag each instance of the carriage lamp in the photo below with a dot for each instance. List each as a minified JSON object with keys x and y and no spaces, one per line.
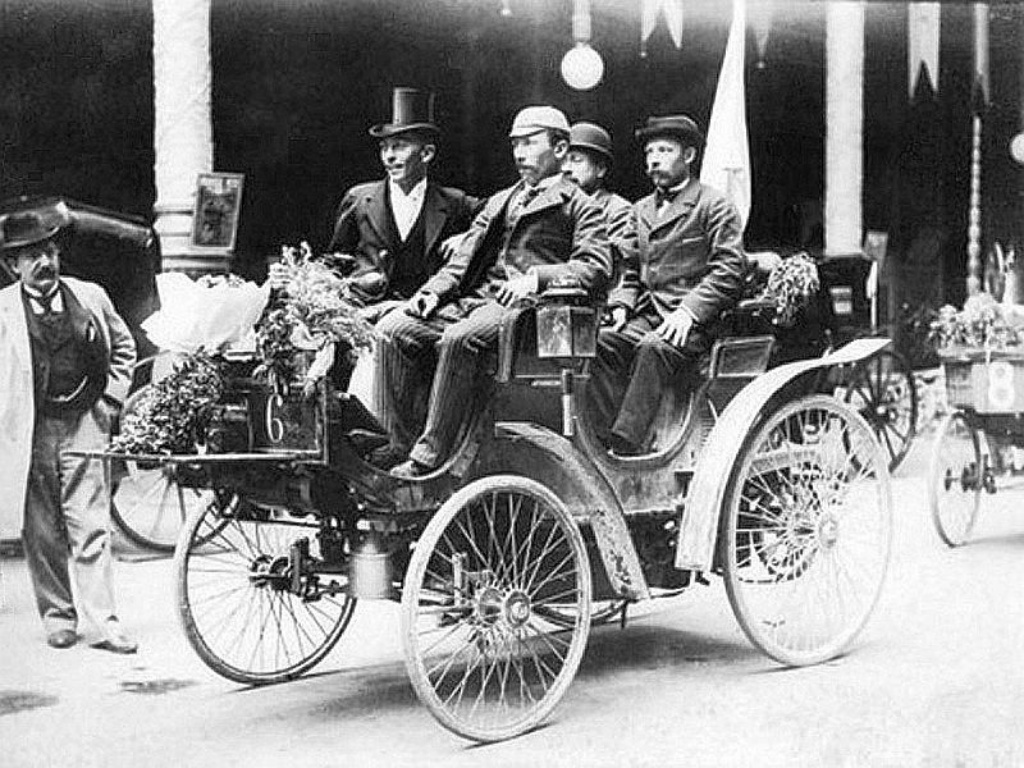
{"x":582,"y":67}
{"x":566,"y":322}
{"x":567,"y":330}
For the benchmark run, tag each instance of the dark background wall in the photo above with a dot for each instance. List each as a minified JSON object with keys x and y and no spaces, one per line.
{"x":296,"y":84}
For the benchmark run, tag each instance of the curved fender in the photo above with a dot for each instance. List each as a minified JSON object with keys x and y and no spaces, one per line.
{"x":549,"y":458}
{"x":698,"y":527}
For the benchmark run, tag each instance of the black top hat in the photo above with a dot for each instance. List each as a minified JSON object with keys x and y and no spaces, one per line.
{"x":19,"y":230}
{"x":411,"y":110}
{"x":677,"y":126}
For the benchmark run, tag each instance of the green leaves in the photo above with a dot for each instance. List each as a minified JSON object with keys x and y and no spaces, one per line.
{"x":166,"y":416}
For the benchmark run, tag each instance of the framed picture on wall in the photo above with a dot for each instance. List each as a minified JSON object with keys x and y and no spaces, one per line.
{"x":215,"y":219}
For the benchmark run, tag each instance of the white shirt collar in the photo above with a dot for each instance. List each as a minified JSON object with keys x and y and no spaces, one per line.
{"x":406,"y":207}
{"x":56,"y":305}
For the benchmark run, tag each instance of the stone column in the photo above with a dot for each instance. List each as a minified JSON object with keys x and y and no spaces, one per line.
{"x":844,"y":126}
{"x":183,"y":127}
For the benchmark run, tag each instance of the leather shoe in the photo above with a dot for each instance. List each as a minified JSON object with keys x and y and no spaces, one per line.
{"x":386,"y":456}
{"x":117,"y":644}
{"x":410,"y":469}
{"x":62,"y":638}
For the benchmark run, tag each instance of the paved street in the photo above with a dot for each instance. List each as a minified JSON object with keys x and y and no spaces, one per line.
{"x":937,"y":679}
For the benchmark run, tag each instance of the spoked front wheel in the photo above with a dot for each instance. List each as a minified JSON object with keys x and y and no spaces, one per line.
{"x":956,"y":477}
{"x":807,"y":531}
{"x":249,"y":608}
{"x":492,"y":558}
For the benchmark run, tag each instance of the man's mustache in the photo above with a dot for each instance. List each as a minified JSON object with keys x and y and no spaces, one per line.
{"x":44,"y":273}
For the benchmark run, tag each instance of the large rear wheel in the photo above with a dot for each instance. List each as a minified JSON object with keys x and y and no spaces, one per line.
{"x":491,"y":559}
{"x":955,"y":478}
{"x":249,"y":608}
{"x":807,"y":531}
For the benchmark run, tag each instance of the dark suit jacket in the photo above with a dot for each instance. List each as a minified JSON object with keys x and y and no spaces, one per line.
{"x":365,"y":229}
{"x":560,"y":233}
{"x":692,"y":256}
{"x":620,"y":221}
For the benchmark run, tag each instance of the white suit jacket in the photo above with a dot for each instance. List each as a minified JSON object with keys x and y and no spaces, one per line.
{"x":17,"y":398}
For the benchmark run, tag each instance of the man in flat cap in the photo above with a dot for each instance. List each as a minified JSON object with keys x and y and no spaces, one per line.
{"x":67,"y":365}
{"x":665,"y":305}
{"x":588,"y":163}
{"x":541,"y":229}
{"x":391,"y":232}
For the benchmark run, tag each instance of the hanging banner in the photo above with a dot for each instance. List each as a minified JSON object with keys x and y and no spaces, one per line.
{"x":650,"y":10}
{"x":923,"y":44}
{"x":726,"y":164}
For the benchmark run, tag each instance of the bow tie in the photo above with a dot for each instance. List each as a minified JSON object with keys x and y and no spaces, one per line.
{"x":663,"y":196}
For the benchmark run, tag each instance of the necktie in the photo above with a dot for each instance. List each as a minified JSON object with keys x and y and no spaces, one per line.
{"x":46,"y":302}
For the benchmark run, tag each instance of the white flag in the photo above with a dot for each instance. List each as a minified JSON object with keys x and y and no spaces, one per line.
{"x":727,"y":155}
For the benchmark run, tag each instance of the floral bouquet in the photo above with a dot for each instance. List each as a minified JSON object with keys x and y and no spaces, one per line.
{"x":791,"y":283}
{"x":166,"y":417}
{"x":316,"y":312}
{"x":215,"y":313}
{"x":982,"y":323}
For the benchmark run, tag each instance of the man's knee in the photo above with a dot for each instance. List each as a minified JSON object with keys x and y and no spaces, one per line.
{"x":463,"y":338}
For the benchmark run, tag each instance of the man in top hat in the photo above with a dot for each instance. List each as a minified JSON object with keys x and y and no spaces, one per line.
{"x":67,"y":365}
{"x":663,"y":310}
{"x":588,"y":163}
{"x":391,"y":231}
{"x":541,"y":229}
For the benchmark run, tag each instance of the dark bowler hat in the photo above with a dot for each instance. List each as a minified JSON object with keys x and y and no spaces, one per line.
{"x":675,"y":126}
{"x":411,"y":110}
{"x":19,"y":230}
{"x":591,"y":136}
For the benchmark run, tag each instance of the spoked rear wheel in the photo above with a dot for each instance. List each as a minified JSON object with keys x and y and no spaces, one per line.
{"x":807,"y":531}
{"x":490,"y":560}
{"x":882,"y":390}
{"x":955,"y":478}
{"x":244,"y":609}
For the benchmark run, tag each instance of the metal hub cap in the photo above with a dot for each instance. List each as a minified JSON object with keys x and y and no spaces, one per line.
{"x":828,"y":531}
{"x":488,"y":605}
{"x":517,"y":608}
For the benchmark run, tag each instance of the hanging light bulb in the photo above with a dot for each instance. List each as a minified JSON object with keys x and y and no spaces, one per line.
{"x":582,"y":67}
{"x":506,"y":9}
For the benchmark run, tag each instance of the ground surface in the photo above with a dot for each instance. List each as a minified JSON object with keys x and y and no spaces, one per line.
{"x":937,"y":679}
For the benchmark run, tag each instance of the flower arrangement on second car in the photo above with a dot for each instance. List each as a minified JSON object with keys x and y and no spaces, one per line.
{"x":278,"y":332}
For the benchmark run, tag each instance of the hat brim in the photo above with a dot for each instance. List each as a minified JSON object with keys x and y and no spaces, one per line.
{"x":387,"y":130}
{"x":11,"y":247}
{"x":591,"y":147}
{"x":696,"y":138}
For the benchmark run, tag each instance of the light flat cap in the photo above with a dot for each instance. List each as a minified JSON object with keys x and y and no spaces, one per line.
{"x":530,"y":120}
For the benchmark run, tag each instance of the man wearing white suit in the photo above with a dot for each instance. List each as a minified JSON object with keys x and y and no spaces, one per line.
{"x":66,"y":367}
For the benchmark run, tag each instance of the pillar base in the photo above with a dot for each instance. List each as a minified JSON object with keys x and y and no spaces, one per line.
{"x":179,"y":255}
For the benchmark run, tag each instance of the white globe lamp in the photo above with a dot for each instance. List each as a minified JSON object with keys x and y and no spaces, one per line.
{"x":582,"y":67}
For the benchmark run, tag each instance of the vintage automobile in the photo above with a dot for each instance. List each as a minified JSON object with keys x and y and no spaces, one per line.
{"x":532,"y":531}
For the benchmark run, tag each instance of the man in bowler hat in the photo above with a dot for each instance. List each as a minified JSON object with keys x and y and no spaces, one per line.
{"x":663,"y":310}
{"x":588,"y":163}
{"x":541,"y":229}
{"x":67,"y":365}
{"x":390,"y":233}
